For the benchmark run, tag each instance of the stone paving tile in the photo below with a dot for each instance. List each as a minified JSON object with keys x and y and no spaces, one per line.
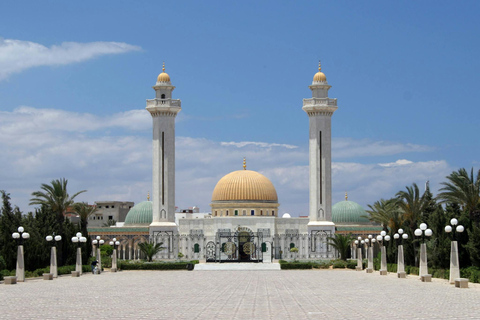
{"x":292,"y":294}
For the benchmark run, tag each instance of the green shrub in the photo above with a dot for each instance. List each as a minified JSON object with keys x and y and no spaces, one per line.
{"x":413,"y":270}
{"x":471,"y":273}
{"x":296,"y":265}
{"x":391,"y":267}
{"x":440,"y":273}
{"x":351,"y":264}
{"x":322,"y":265}
{"x":125,"y":265}
{"x":282,"y":261}
{"x":339,"y":264}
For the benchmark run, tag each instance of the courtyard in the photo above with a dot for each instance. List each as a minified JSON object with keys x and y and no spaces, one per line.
{"x":288,"y":294}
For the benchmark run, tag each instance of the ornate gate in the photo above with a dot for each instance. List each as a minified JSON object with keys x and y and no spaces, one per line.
{"x":242,"y":246}
{"x":210,"y":251}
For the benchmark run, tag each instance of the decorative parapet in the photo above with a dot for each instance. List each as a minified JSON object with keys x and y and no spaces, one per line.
{"x":153,"y":103}
{"x":319,"y":102}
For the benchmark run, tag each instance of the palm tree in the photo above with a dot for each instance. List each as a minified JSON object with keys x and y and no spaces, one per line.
{"x":341,"y":243}
{"x":109,"y":223}
{"x":150,"y":249}
{"x":55,"y":198}
{"x":412,"y":204}
{"x":463,"y":189}
{"x":84,"y":211}
{"x":387,"y":213}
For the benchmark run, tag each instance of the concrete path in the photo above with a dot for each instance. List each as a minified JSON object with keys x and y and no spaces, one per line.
{"x":295,"y":294}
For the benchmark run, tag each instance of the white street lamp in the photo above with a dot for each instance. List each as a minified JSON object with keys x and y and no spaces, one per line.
{"x":115,"y":244}
{"x":79,"y":239}
{"x":422,"y":232}
{"x":20,"y":236}
{"x":380,"y":238}
{"x":400,"y":257}
{"x":454,"y":262}
{"x":53,"y":254}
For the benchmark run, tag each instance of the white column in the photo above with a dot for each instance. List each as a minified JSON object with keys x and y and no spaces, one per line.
{"x":78,"y":264}
{"x":423,"y":260}
{"x":384,"y":259}
{"x":370,"y":258}
{"x":53,"y":262}
{"x":99,"y":259}
{"x":20,"y":272}
{"x":454,"y":264}
{"x":400,"y":261}
{"x":359,"y":258}
{"x":114,"y":260}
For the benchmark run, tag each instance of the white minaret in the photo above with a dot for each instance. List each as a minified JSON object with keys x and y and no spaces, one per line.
{"x":163,"y":110}
{"x":320,"y":109}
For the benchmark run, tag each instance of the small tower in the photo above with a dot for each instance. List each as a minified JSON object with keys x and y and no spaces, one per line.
{"x":163,"y":109}
{"x":320,"y":109}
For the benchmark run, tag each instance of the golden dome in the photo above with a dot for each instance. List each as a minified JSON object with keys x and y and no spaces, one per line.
{"x":319,"y":76}
{"x":163,"y":77}
{"x":244,"y":185}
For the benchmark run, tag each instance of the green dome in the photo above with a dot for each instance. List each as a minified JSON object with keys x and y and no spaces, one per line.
{"x":349,"y":212}
{"x":140,"y":214}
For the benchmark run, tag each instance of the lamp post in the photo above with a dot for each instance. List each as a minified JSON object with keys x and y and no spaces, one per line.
{"x":400,"y":258}
{"x":98,"y":242}
{"x":454,"y":263}
{"x":380,"y":238}
{"x":359,"y":243}
{"x":115,"y":244}
{"x":78,"y":239}
{"x":20,"y":236}
{"x":422,"y":232}
{"x":53,"y":254}
{"x":370,"y":241}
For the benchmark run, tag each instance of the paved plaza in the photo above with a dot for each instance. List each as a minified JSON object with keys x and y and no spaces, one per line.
{"x":292,"y":294}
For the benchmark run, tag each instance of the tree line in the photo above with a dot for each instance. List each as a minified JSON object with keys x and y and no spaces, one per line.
{"x":52,"y":200}
{"x":458,"y":197}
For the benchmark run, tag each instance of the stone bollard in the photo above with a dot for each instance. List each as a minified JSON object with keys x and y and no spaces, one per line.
{"x":10,"y":280}
{"x":461,"y":283}
{"x":48,"y":276}
{"x":75,"y":273}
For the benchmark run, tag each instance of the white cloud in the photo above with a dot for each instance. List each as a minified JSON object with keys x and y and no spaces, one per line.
{"x":39,"y":145}
{"x":17,"y":55}
{"x":348,"y":148}
{"x":258,"y":144}
{"x":401,"y":162}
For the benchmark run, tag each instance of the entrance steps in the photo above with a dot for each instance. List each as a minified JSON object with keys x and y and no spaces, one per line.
{"x":234,"y":266}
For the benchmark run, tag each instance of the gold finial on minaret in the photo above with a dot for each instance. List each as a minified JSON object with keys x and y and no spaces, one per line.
{"x":148,"y":196}
{"x":319,"y":66}
{"x":346,"y":196}
{"x":163,"y":68}
{"x":244,"y":163}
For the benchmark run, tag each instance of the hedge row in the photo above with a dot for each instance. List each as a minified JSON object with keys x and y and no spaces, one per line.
{"x":39,"y":272}
{"x":125,"y":265}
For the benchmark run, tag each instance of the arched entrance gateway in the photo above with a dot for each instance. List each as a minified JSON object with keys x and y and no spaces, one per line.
{"x":243,"y":245}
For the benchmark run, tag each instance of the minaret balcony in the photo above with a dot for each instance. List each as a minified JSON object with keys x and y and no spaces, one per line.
{"x":163,"y":103}
{"x":320,"y":102}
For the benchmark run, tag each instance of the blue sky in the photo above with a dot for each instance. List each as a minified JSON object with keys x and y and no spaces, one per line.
{"x":74,"y":79}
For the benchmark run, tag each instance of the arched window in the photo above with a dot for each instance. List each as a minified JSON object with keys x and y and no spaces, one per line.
{"x":292,"y":245}
{"x":163,"y":95}
{"x":261,"y":212}
{"x":273,"y":213}
{"x":252,"y":212}
{"x":196,"y":248}
{"x":236,"y":212}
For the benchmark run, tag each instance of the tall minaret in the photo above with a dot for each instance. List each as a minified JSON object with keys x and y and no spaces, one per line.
{"x":163,"y":110}
{"x":320,"y":109}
